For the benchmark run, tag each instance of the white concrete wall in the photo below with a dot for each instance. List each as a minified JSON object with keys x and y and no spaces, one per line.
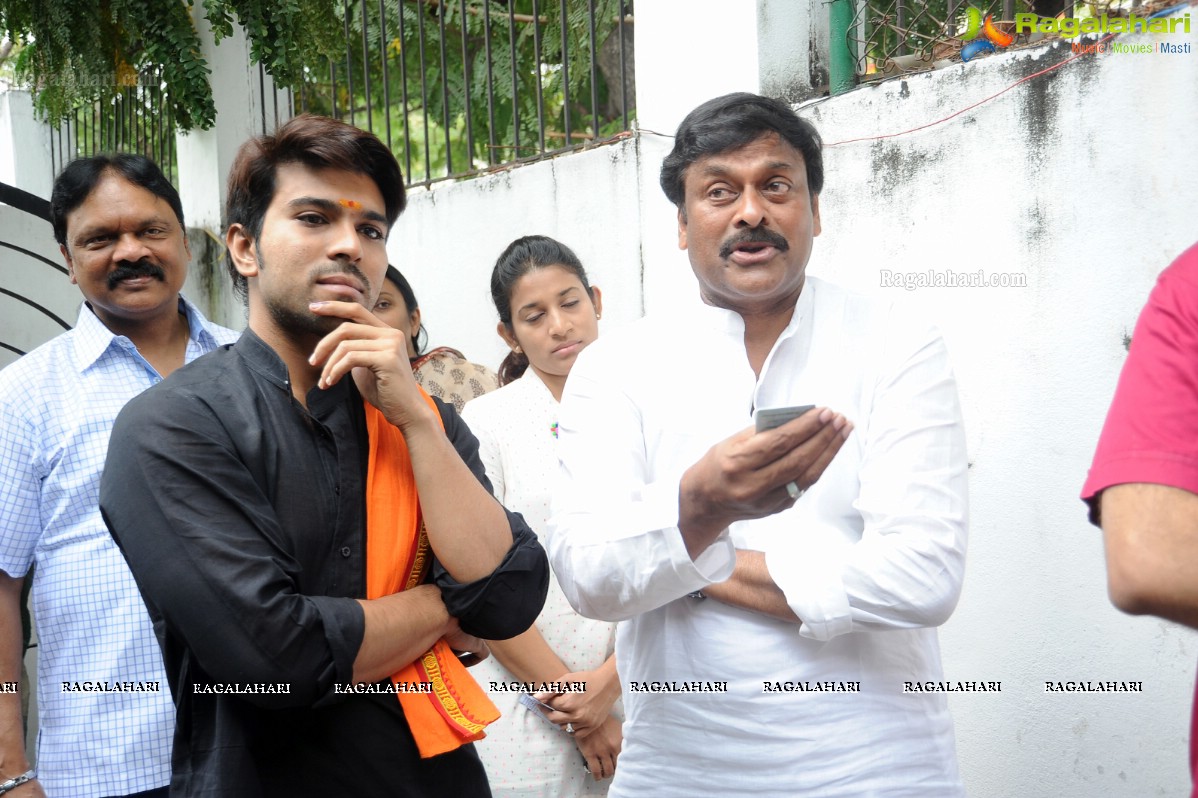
{"x":693,"y":52}
{"x":792,"y":48}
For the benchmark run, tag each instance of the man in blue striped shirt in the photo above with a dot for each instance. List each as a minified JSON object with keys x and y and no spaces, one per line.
{"x":105,"y":711}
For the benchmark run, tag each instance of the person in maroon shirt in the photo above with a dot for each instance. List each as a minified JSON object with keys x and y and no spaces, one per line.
{"x":1143,"y":483}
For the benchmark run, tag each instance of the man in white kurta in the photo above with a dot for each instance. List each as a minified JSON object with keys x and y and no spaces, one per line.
{"x":773,"y":635}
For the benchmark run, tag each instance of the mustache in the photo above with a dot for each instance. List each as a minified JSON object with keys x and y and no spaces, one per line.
{"x":127,"y":270}
{"x":753,"y":235}
{"x":350,"y":269}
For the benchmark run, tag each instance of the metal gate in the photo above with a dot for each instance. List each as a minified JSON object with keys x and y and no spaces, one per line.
{"x":37,"y":299}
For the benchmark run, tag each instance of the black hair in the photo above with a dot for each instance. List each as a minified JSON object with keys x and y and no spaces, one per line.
{"x":316,"y":142}
{"x":729,"y":123}
{"x":521,"y":257}
{"x":409,"y":299}
{"x":79,"y":179}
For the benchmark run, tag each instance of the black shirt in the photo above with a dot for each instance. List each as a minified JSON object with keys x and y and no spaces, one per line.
{"x":242,"y":516}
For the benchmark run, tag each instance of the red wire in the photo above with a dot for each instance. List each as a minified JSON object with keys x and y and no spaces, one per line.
{"x":1024,"y":79}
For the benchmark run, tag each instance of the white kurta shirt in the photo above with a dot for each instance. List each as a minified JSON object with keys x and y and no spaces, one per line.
{"x":871,"y":558}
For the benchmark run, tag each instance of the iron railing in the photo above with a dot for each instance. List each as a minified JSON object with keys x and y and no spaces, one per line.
{"x":456,"y":87}
{"x":892,"y":36}
{"x":21,"y":258}
{"x":136,"y":119}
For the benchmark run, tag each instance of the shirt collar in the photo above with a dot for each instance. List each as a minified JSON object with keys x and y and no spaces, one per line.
{"x":537,"y":384}
{"x":92,"y":339}
{"x":732,"y":323}
{"x":265,"y":361}
{"x":261,"y":358}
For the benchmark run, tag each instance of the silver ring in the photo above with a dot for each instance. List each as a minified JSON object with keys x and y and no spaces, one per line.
{"x":569,"y":728}
{"x":793,"y":490}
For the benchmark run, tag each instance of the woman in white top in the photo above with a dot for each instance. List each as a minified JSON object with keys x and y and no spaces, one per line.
{"x":548,"y":313}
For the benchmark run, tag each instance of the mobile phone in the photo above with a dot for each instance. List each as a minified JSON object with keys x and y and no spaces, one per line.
{"x":773,"y":417}
{"x":469,"y":658}
{"x":536,"y":707}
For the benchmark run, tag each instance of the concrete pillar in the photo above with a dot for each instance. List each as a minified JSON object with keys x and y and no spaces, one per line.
{"x":686,"y":54}
{"x":793,"y":48}
{"x":27,"y":140}
{"x":247,"y":104}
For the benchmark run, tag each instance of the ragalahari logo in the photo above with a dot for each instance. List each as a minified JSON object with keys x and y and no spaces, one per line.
{"x":991,"y":35}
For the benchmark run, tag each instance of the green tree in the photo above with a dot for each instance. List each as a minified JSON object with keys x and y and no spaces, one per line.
{"x":76,"y":52}
{"x":412,"y":71}
{"x":426,"y":62}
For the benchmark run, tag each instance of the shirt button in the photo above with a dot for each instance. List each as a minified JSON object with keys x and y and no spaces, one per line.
{"x":345,"y":551}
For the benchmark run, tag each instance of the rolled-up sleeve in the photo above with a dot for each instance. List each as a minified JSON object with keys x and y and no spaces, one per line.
{"x":508,"y":601}
{"x":198,"y":535}
{"x":1151,"y":431}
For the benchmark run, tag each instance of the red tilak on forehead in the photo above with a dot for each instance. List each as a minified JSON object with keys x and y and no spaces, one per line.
{"x":353,"y":205}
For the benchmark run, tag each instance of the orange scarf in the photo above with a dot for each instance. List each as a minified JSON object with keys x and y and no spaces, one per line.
{"x":397,"y":558}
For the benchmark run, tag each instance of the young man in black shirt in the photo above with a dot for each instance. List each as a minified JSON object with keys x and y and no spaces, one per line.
{"x":261,"y":495}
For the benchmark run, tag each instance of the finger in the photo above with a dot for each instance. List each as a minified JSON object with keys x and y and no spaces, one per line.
{"x":822,"y":460}
{"x":346,"y":334}
{"x":560,"y":718}
{"x":350,"y":311}
{"x":581,"y":729}
{"x":610,"y":767}
{"x":343,"y":362}
{"x":797,"y":462}
{"x":566,"y":702}
{"x":374,"y":355}
{"x":771,"y":445}
{"x":595,"y":763}
{"x":351,"y":331}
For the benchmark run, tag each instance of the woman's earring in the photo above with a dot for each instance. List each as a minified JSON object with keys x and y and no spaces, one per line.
{"x":598,"y":316}
{"x":516,"y":349}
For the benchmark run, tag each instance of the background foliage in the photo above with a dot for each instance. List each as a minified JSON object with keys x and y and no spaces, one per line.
{"x":425,"y":63}
{"x":73,"y":52}
{"x":452,"y":86}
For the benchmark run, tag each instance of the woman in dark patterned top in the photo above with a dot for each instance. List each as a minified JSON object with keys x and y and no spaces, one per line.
{"x":444,"y":372}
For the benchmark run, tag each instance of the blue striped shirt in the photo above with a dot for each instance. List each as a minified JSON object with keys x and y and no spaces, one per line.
{"x":57,"y":406}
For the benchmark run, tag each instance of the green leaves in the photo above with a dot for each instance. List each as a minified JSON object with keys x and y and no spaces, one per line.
{"x":436,"y":77}
{"x":432,"y":88}
{"x":81,"y":52}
